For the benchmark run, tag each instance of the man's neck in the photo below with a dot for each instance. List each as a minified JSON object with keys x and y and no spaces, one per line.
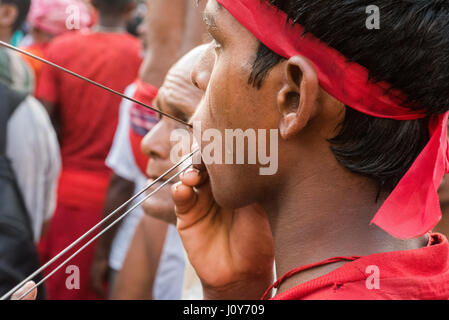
{"x":326,"y":214}
{"x":110,"y":24}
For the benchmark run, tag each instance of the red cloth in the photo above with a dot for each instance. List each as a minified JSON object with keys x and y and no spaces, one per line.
{"x":412,"y":209}
{"x":69,"y":223}
{"x":142,"y":121}
{"x":403,"y":275}
{"x":72,"y":188}
{"x":89,"y":117}
{"x":88,"y":114}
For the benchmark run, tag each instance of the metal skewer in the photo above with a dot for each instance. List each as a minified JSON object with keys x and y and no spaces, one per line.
{"x":102,"y":232}
{"x":34,"y":274}
{"x":9,"y":46}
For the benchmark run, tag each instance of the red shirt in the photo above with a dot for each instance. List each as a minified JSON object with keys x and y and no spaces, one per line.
{"x":88,"y":114}
{"x":405,"y":275}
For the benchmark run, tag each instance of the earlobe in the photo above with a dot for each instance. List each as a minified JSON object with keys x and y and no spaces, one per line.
{"x":297,"y":99}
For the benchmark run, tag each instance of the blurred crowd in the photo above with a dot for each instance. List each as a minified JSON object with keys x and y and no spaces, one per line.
{"x":71,"y":152}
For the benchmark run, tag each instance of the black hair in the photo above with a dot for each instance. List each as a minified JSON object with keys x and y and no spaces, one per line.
{"x":23,"y":7}
{"x":410,"y":51}
{"x":113,"y":7}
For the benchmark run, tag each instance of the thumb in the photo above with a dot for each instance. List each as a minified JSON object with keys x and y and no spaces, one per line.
{"x":191,"y":205}
{"x":184,"y":198}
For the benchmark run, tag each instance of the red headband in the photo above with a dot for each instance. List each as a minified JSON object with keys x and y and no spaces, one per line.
{"x":413,"y":208}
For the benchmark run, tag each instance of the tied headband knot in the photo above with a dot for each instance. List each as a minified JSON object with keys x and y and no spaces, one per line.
{"x":412,"y":209}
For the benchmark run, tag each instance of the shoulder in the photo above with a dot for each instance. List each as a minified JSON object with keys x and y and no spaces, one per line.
{"x":128,"y":42}
{"x":32,"y":116}
{"x":65,"y":42}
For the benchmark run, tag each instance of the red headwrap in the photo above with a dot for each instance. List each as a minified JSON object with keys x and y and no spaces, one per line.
{"x":412,"y":209}
{"x":142,"y":121}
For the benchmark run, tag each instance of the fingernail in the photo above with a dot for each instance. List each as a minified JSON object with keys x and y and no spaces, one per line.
{"x":192,"y":170}
{"x":176,"y":186}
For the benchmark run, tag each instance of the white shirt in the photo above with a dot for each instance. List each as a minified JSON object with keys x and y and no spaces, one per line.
{"x":32,"y":147}
{"x":169,"y":276}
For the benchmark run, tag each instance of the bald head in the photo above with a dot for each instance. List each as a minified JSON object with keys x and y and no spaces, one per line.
{"x":178,"y":94}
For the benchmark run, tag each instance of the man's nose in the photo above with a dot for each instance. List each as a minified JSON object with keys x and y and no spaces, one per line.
{"x":202,"y":70}
{"x":156,"y":143}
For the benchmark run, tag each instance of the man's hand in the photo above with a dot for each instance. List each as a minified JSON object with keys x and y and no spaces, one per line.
{"x":231,"y":250}
{"x":30,"y":296}
{"x":100,"y":271}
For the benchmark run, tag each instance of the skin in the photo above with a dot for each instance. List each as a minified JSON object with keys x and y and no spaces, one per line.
{"x":116,"y":21}
{"x":136,"y":278}
{"x":30,"y":296}
{"x":8,"y":16}
{"x":287,"y":215}
{"x":178,"y":96}
{"x":40,"y":36}
{"x":172,"y":29}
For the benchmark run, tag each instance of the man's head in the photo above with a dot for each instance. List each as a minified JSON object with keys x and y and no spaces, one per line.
{"x":115,"y":8}
{"x":252,"y":87}
{"x":177,"y":97}
{"x":48,"y":18}
{"x":12,"y":15}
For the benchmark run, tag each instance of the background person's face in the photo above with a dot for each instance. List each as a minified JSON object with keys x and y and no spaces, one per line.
{"x":231,"y":103}
{"x":157,"y":146}
{"x":8,"y":17}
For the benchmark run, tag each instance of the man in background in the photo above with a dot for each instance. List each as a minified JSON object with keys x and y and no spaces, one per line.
{"x":48,"y":19}
{"x":169,"y":30}
{"x":86,"y":117}
{"x":29,"y":159}
{"x":31,"y":141}
{"x":154,"y":265}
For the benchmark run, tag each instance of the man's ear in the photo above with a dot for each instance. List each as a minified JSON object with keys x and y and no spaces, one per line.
{"x":8,"y":15}
{"x":297,"y":99}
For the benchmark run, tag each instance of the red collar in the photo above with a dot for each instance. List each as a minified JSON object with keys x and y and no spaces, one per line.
{"x":416,"y":271}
